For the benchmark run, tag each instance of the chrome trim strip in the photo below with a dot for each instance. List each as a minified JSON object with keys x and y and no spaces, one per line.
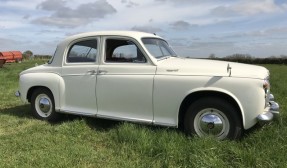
{"x":105,"y":117}
{"x":165,"y":124}
{"x":77,"y":113}
{"x":125,"y":119}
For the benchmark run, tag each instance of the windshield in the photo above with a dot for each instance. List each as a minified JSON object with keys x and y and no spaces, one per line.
{"x":158,"y":47}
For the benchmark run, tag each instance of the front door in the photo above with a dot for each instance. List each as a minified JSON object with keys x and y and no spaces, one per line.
{"x":125,"y":82}
{"x":79,"y":73}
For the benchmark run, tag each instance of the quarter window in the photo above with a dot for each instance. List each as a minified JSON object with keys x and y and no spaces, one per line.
{"x":83,"y":51}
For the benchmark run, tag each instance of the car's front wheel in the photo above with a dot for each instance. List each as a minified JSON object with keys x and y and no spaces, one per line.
{"x":213,"y":116}
{"x":43,"y":106}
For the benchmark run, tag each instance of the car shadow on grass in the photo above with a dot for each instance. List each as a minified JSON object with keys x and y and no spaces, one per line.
{"x":101,"y":124}
{"x":24,"y":112}
{"x":98,"y":124}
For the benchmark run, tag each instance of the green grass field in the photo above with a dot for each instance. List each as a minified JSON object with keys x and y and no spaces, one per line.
{"x":90,"y":142}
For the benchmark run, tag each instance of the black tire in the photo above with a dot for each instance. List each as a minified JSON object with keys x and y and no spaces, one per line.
{"x":43,"y":106}
{"x":213,"y":116}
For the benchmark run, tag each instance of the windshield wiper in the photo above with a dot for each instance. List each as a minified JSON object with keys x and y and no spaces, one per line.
{"x":163,"y":58}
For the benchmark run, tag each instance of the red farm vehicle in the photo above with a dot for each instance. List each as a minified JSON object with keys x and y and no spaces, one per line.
{"x":10,"y":56}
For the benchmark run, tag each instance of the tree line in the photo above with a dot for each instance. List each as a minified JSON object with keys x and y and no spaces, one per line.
{"x":241,"y":58}
{"x":29,"y":55}
{"x":246,"y":58}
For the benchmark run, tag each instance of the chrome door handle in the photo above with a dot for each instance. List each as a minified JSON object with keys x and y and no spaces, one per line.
{"x":102,"y":71}
{"x":92,"y":72}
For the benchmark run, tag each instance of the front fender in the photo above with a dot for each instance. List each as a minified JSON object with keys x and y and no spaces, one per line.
{"x":221,"y":91}
{"x":52,"y":81}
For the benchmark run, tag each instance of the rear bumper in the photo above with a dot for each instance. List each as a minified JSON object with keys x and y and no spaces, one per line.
{"x":270,"y":112}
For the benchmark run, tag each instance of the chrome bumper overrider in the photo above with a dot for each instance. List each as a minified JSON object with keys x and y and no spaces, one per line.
{"x":17,"y":94}
{"x":271,"y":112}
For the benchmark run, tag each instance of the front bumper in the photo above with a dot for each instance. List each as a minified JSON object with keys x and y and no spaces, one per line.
{"x":270,"y":112}
{"x":18,"y":94}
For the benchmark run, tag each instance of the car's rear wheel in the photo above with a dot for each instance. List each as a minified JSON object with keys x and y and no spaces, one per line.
{"x":43,"y":106}
{"x":212,"y":116}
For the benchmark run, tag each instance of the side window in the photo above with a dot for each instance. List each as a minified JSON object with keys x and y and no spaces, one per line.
{"x":119,"y":50}
{"x":83,"y":51}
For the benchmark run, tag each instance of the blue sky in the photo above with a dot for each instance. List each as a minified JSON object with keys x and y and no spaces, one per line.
{"x":195,"y":28}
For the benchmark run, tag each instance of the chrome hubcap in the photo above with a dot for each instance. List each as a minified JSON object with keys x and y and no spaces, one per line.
{"x":43,"y":105}
{"x":213,"y":122}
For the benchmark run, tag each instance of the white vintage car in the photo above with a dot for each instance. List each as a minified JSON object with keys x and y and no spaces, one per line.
{"x":135,"y":76}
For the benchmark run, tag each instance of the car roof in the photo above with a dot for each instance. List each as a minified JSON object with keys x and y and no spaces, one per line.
{"x":57,"y":59}
{"x":134,"y":34}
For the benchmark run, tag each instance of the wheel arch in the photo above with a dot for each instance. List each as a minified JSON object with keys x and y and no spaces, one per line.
{"x":193,"y":96}
{"x":32,"y":89}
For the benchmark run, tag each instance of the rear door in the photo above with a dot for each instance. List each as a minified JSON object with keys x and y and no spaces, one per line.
{"x":80,"y":76}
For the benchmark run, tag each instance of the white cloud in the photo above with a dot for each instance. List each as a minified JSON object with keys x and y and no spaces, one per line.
{"x":181,"y":25}
{"x":9,"y":44}
{"x":148,"y":29}
{"x":129,"y":3}
{"x":27,"y":16}
{"x":52,"y":5}
{"x":19,"y":4}
{"x":61,"y":22}
{"x":260,"y":33}
{"x":63,"y":16}
{"x":247,"y":7}
{"x":11,"y":24}
{"x":4,"y":42}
